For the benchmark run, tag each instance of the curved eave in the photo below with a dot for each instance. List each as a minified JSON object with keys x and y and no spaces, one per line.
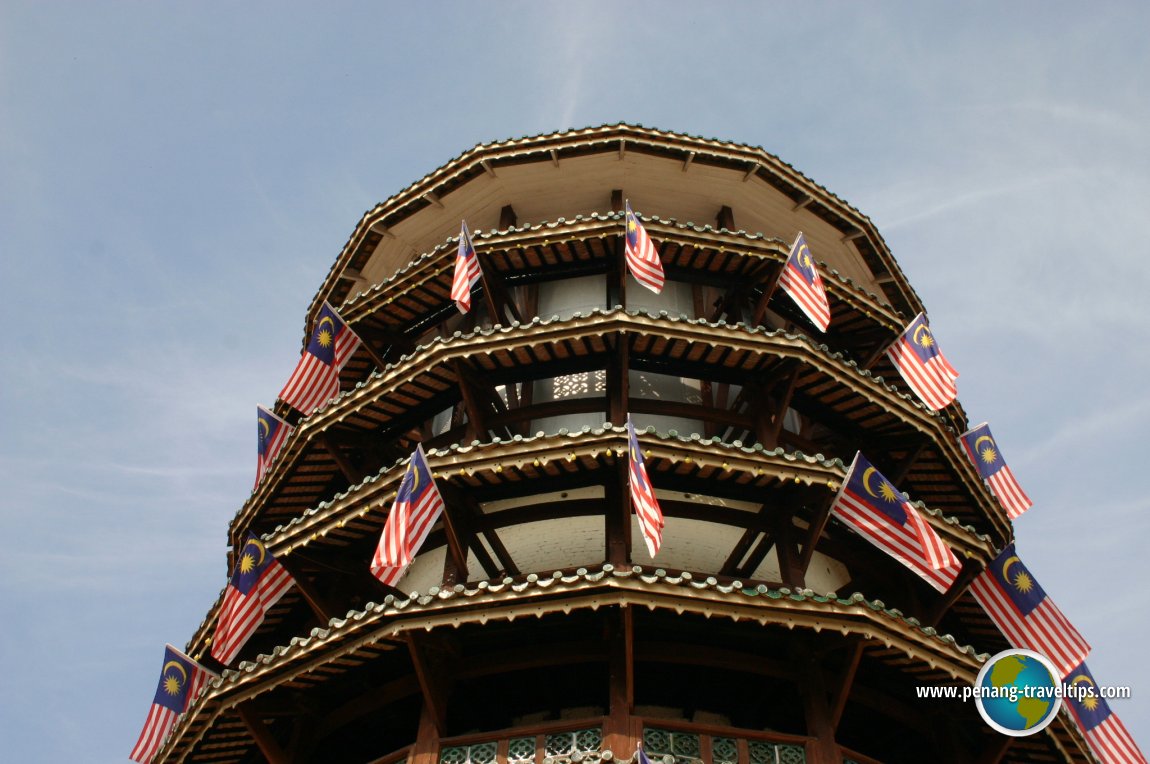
{"x":419,"y":377}
{"x":337,"y":648}
{"x":485,"y":159}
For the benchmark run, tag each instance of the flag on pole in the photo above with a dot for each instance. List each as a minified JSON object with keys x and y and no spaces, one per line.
{"x":1105,"y":732}
{"x":800,"y":279}
{"x":1019,"y":607}
{"x":181,"y":679}
{"x":316,"y":376}
{"x":258,"y":581}
{"x":417,"y":507}
{"x":983,"y":451}
{"x":916,"y":356}
{"x":273,"y":431}
{"x":643,"y":494}
{"x":642,"y":257}
{"x":467,"y":271}
{"x":873,"y":508}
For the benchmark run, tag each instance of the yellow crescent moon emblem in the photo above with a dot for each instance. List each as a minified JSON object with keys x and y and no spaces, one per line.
{"x":1006,"y":566}
{"x":925,"y":331}
{"x":414,"y":472}
{"x":328,"y":319}
{"x":184,"y":674}
{"x":866,"y":481}
{"x":987,"y":438}
{"x":805,"y":257}
{"x":265,"y":429}
{"x":259,"y":548}
{"x":1082,"y":678}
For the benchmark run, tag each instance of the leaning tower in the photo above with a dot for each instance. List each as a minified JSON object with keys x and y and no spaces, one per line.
{"x":536,"y":628}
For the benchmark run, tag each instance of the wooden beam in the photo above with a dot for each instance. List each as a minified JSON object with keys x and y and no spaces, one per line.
{"x":554,"y":157}
{"x":839,"y":700}
{"x":487,"y":168}
{"x":616,"y":200}
{"x":320,"y":607}
{"x":476,"y":419}
{"x":769,"y":287}
{"x":802,"y":203}
{"x":814,"y":532}
{"x":822,"y":749}
{"x":617,"y":520}
{"x":433,"y":200}
{"x":899,"y":473}
{"x":507,"y":217}
{"x":259,"y":731}
{"x":731,"y":566}
{"x":751,"y":171}
{"x":687,"y":162}
{"x":725,"y":218}
{"x":790,"y":568}
{"x":353,"y":475}
{"x":618,"y":380}
{"x":432,"y":656}
{"x":622,"y":147}
{"x":853,"y":235}
{"x":971,"y":568}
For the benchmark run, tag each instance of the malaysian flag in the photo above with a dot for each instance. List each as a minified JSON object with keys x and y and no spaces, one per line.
{"x":467,"y":271}
{"x":643,"y":494}
{"x":417,"y":507}
{"x":802,"y":282}
{"x":642,"y":257}
{"x":1030,"y":620}
{"x":273,"y":431}
{"x":873,"y":508}
{"x":916,"y":356}
{"x":983,"y":451}
{"x":181,"y":679}
{"x":258,"y":582}
{"x":1104,"y":731}
{"x":316,"y":376}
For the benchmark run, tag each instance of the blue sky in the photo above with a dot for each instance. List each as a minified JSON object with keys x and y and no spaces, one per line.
{"x":176,"y":179}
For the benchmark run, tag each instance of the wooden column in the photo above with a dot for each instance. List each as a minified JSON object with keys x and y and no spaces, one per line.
{"x":617,"y":733}
{"x":819,"y":715}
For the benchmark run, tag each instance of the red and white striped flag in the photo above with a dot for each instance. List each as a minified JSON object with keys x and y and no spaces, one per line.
{"x":316,"y":376}
{"x":987,"y":458}
{"x":873,"y":508}
{"x":273,"y":431}
{"x":923,"y":366}
{"x":800,"y":279}
{"x":418,"y":505}
{"x":467,"y":271}
{"x":1029,"y":619}
{"x":642,"y":257}
{"x":258,"y":581}
{"x":181,"y":680}
{"x":643,"y":494}
{"x":1108,"y":737}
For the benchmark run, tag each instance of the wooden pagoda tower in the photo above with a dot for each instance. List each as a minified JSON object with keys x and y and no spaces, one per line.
{"x":536,"y":629}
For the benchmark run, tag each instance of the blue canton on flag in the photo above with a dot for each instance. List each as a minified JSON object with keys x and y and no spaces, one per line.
{"x":181,"y":679}
{"x":800,"y":279}
{"x":315,"y":379}
{"x":984,"y":452}
{"x":467,"y":271}
{"x":871,"y":506}
{"x":418,"y":504}
{"x":257,"y":584}
{"x":272,"y":432}
{"x":1105,"y":732}
{"x":1029,"y":619}
{"x":923,"y":366}
{"x":641,"y":256}
{"x":643,"y":498}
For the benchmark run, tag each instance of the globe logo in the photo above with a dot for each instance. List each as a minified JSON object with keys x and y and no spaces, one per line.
{"x":1018,"y":692}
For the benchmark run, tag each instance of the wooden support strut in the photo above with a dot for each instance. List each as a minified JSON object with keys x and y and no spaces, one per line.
{"x":353,"y":475}
{"x":971,"y":569}
{"x":259,"y":731}
{"x":320,"y":607}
